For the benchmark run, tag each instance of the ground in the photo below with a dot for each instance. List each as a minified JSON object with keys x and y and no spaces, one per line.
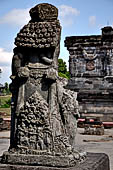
{"x":97,"y":144}
{"x":89,"y":143}
{"x":4,"y":141}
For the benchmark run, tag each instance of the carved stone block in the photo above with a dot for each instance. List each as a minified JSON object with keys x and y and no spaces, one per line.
{"x":94,"y":161}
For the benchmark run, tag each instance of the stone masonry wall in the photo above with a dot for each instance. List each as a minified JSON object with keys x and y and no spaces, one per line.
{"x":91,"y":69}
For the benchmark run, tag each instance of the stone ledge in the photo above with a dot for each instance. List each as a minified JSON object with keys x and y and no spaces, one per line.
{"x":37,"y":160}
{"x":94,"y":161}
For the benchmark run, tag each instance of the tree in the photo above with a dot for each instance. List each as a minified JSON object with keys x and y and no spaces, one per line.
{"x":6,"y":86}
{"x":62,"y":69}
{"x":6,"y":89}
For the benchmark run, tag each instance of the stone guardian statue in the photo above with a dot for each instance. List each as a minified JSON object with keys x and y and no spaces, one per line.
{"x":43,"y":113}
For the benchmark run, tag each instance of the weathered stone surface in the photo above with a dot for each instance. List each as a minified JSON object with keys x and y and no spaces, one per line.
{"x":94,"y":161}
{"x":91,"y":69}
{"x":43,"y":113}
{"x":43,"y":30}
{"x":39,"y":35}
{"x":43,"y":12}
{"x":90,"y":130}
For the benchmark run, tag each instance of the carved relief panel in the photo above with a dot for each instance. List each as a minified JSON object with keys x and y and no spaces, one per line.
{"x":91,"y":61}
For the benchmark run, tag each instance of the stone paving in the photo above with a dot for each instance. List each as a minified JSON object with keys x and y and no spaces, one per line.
{"x":97,"y":147}
{"x":4,"y":141}
{"x":90,"y":146}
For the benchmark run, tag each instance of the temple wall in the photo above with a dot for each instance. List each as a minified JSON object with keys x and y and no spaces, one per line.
{"x":91,"y":70}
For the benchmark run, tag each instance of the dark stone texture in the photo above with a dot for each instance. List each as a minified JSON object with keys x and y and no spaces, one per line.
{"x":44,"y":12}
{"x":94,"y":161}
{"x":91,"y":70}
{"x":36,"y":160}
{"x":43,"y":113}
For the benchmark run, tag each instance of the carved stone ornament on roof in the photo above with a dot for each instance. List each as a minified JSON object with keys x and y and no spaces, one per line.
{"x":88,"y":56}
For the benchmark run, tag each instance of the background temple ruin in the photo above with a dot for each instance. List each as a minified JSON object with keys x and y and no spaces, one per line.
{"x":91,"y":70}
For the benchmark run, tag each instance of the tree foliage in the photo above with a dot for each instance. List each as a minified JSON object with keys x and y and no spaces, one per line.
{"x":62,"y":69}
{"x":6,"y":90}
{"x":5,"y":102}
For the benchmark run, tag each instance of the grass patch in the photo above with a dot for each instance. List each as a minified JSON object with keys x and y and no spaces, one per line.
{"x":5,"y":102}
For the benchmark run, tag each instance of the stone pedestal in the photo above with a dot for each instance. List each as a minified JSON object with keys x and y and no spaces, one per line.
{"x":94,"y":161}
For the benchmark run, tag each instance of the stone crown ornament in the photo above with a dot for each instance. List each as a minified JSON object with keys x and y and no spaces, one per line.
{"x":44,"y":12}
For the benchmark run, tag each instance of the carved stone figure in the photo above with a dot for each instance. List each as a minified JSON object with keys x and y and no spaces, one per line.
{"x":44,"y":114}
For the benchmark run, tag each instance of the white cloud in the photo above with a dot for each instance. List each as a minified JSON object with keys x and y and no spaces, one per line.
{"x":68,"y":10}
{"x":5,"y":65}
{"x":5,"y":58}
{"x":16,"y":17}
{"x":66,"y":14}
{"x":20,"y":17}
{"x":5,"y":75}
{"x":92,"y":20}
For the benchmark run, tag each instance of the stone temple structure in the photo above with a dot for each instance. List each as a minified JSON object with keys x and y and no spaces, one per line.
{"x":91,"y":69}
{"x":43,"y":113}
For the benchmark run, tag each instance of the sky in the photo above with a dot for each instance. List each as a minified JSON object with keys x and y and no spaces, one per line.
{"x":77,"y":18}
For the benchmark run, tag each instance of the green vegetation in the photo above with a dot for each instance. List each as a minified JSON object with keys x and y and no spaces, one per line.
{"x":62,"y":69}
{"x":5,"y":103}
